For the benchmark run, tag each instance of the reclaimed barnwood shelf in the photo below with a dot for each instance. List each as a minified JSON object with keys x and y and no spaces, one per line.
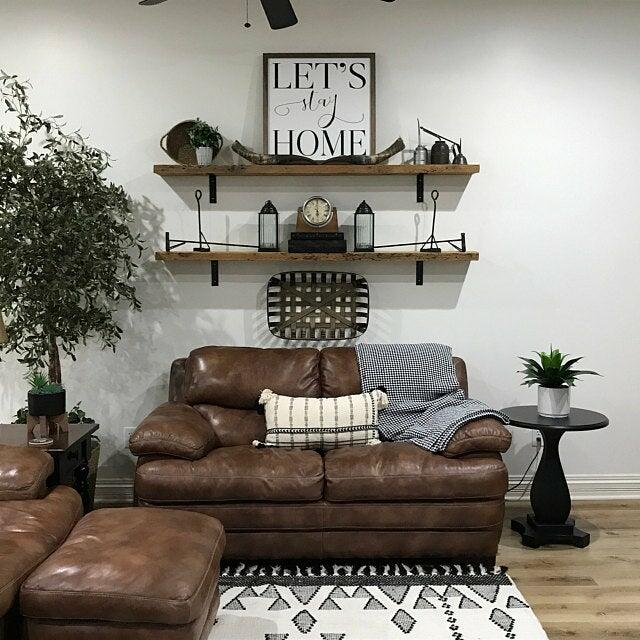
{"x":419,"y":257}
{"x":316,"y":170}
{"x":284,"y":256}
{"x":229,"y":170}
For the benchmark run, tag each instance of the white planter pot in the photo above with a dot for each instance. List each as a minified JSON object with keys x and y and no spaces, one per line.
{"x":554,"y":403}
{"x":204,"y":155}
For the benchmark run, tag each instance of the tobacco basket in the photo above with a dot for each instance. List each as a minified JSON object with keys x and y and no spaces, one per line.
{"x":317,"y":305}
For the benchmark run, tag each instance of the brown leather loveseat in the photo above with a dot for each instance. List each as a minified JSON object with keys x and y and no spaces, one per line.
{"x":390,"y":500}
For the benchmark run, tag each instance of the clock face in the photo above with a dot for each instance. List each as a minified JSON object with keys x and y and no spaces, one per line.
{"x":317,"y":211}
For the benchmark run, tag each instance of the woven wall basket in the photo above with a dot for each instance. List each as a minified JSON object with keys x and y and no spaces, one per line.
{"x":176,"y":144}
{"x":317,"y":305}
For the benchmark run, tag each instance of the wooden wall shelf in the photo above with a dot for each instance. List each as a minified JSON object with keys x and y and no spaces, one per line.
{"x":350,"y":256}
{"x":316,"y":170}
{"x":283,"y":256}
{"x":214,"y":170}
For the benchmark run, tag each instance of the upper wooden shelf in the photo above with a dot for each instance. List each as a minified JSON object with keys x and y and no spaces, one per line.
{"x":316,"y":169}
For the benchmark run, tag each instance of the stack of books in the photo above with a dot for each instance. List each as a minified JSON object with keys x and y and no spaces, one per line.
{"x":317,"y":242}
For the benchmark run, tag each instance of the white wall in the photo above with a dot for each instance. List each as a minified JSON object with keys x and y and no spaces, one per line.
{"x":546,"y":96}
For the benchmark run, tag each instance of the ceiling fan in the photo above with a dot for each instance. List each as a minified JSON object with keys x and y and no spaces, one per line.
{"x":280,"y":13}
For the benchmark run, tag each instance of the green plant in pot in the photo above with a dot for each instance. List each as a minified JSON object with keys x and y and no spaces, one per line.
{"x":554,"y":373}
{"x":206,"y":140}
{"x":67,"y":248}
{"x":45,"y":398}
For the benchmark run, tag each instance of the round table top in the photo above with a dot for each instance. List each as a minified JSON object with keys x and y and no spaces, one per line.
{"x":578,"y":420}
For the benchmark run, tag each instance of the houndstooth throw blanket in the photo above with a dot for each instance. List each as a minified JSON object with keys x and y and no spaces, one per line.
{"x":426,"y":404}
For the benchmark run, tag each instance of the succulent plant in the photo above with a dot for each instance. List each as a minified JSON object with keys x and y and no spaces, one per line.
{"x":553,"y":370}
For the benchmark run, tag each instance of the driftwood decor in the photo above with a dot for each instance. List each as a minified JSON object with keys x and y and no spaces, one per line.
{"x":317,"y":305}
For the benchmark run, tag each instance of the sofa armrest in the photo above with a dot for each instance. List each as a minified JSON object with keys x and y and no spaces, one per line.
{"x":24,"y":472}
{"x":484,"y":435}
{"x":173,"y":429}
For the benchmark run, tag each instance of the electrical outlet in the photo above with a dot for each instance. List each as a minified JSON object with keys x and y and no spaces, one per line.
{"x":536,"y":439}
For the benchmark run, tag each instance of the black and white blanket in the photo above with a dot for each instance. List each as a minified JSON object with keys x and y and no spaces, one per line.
{"x":426,"y":404}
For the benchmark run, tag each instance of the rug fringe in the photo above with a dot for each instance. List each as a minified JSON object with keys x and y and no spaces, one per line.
{"x":356,"y":568}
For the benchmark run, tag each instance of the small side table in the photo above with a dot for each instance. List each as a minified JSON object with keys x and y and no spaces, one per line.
{"x":70,"y":452}
{"x":550,"y":497}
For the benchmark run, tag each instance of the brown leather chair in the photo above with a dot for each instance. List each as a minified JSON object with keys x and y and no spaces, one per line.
{"x":34,"y":521}
{"x":389,"y":500}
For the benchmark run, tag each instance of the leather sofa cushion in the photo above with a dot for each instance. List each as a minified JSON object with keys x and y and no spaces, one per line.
{"x":130,"y":565}
{"x":339,"y":373}
{"x":233,"y":426}
{"x":29,"y":531}
{"x":340,"y":376}
{"x":232,"y":474}
{"x":486,"y":434}
{"x":23,"y":473}
{"x":173,"y":429}
{"x":235,"y":376}
{"x":403,"y":471}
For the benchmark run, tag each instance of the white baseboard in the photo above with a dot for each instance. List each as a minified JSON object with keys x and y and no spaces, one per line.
{"x":620,"y":486}
{"x":615,"y":486}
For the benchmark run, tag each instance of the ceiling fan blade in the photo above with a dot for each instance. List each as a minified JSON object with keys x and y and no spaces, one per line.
{"x":148,"y":3}
{"x":280,"y":13}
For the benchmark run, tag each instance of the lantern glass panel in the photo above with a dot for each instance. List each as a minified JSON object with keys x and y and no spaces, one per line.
{"x":364,"y":231}
{"x":268,"y":228}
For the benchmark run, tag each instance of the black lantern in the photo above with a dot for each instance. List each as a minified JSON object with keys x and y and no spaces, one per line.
{"x":268,"y":235}
{"x":364,"y":226}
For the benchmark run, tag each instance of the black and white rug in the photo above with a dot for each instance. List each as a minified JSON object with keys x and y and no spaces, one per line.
{"x":385,"y":601}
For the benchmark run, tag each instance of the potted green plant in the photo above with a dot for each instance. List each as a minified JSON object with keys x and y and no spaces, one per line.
{"x":555,"y":375}
{"x":67,"y":241}
{"x":45,"y":398}
{"x":206,"y":140}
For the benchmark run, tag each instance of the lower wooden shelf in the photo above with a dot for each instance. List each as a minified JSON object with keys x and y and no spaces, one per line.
{"x":350,"y":256}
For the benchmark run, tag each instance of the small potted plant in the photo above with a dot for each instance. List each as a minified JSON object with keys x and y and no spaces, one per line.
{"x":555,"y":376}
{"x":206,"y":140}
{"x":45,"y":398}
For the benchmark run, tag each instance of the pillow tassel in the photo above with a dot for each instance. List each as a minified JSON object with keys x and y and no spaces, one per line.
{"x":265,"y":396}
{"x":383,"y":399}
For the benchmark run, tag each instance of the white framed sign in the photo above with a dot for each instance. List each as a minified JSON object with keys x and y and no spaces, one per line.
{"x":319,"y":105}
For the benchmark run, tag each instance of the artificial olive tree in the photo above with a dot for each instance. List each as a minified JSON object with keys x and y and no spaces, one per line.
{"x":67,"y":251}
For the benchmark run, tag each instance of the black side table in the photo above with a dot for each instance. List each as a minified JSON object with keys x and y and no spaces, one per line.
{"x":550,"y":498}
{"x":70,"y":452}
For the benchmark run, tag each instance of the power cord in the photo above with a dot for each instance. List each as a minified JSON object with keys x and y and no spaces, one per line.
{"x":524,"y":475}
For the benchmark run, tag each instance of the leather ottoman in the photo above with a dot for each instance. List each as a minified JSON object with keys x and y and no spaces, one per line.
{"x":128,"y":574}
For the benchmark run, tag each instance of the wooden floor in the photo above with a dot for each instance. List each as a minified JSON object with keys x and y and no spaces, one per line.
{"x":582,"y":594}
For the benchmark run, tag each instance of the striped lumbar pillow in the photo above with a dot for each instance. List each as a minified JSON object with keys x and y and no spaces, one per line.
{"x":321,"y":423}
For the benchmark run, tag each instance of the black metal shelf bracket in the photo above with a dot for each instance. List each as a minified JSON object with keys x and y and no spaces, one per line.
{"x":420,"y":187}
{"x":213,"y":188}
{"x":215,"y":279}
{"x":419,"y":273}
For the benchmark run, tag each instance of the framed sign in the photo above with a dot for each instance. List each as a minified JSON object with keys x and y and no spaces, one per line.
{"x":319,"y":105}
